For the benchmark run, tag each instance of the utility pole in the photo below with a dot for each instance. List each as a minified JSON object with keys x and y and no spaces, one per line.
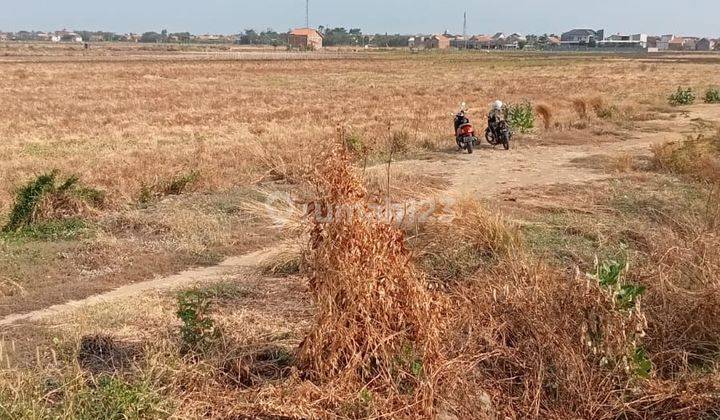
{"x":307,"y":13}
{"x":465,"y":29}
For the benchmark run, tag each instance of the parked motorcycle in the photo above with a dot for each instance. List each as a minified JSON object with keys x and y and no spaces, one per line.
{"x":499,"y":133}
{"x":464,"y":131}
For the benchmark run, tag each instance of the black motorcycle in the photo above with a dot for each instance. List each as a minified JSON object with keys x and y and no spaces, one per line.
{"x":498,"y":133}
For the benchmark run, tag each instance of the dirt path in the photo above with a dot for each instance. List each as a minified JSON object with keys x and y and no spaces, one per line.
{"x":488,"y":172}
{"x":493,"y":171}
{"x":228,"y":269}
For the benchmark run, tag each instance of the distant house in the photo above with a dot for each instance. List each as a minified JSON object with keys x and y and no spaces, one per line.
{"x":458,"y":41}
{"x":4,"y":36}
{"x":512,"y":41}
{"x":663,"y":44}
{"x":582,"y":36}
{"x":438,"y":41}
{"x":66,"y":36}
{"x":682,"y":44}
{"x":305,"y":39}
{"x":208,"y":38}
{"x":498,"y":36}
{"x":553,"y":41}
{"x":625,"y":41}
{"x":690,"y":43}
{"x":652,"y":41}
{"x":676,"y":44}
{"x":705,"y":44}
{"x":481,"y":42}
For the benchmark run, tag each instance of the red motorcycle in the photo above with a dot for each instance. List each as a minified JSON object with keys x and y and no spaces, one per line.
{"x":464,"y":131}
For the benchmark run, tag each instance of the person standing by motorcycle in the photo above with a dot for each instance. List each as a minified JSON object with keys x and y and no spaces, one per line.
{"x":498,"y":131}
{"x":496,"y":114}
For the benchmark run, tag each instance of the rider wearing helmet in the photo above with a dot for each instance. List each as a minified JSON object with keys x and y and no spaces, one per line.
{"x":496,"y":114}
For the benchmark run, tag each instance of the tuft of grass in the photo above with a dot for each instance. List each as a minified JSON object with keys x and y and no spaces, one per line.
{"x":623,"y":163}
{"x":52,"y":230}
{"x":581,"y":108}
{"x":697,"y":157}
{"x":682,"y":97}
{"x":174,"y":186}
{"x":71,"y":394}
{"x":545,"y":112}
{"x":712,"y":96}
{"x":601,"y":109}
{"x":454,"y":247}
{"x":110,"y":397}
{"x":355,"y":144}
{"x":283,"y":264}
{"x":180,"y":183}
{"x":46,"y":199}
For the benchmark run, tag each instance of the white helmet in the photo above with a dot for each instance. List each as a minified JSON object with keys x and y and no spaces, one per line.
{"x":497,"y":105}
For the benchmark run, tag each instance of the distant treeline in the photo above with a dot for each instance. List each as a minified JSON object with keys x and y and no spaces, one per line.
{"x":332,"y":37}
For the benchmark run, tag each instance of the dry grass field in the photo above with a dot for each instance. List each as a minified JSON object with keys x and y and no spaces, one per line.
{"x":581,"y":284}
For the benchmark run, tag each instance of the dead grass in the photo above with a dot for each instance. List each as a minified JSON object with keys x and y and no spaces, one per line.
{"x":377,"y":325}
{"x":512,"y":333}
{"x":546,"y":114}
{"x":697,"y":157}
{"x":462,"y":239}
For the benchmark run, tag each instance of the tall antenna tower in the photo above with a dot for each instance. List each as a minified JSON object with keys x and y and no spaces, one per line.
{"x":465,"y":29}
{"x":307,"y":13}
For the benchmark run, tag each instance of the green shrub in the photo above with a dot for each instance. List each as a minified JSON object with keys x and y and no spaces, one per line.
{"x":640,"y":363}
{"x":198,"y":331}
{"x":609,"y":274}
{"x":49,"y":230}
{"x":712,"y":96}
{"x":682,"y":97}
{"x":521,"y":117}
{"x":44,"y":199}
{"x":35,"y":395}
{"x":112,"y":398}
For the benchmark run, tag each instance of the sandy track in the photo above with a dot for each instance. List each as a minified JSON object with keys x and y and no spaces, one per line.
{"x":230,"y":268}
{"x":488,"y":172}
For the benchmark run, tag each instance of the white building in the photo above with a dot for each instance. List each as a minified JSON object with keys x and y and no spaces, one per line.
{"x":621,"y":41}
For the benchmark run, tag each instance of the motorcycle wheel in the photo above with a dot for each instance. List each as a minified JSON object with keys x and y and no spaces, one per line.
{"x":490,"y":137}
{"x":469,"y":147}
{"x":506,"y":142}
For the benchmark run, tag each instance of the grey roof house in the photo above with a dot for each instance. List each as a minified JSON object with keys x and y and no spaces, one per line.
{"x":705,"y":44}
{"x":582,"y":36}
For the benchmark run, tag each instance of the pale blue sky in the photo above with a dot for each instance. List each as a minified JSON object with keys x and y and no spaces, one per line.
{"x":701,"y":17}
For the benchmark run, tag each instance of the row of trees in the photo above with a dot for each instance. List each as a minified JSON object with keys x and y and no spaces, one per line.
{"x":332,"y":37}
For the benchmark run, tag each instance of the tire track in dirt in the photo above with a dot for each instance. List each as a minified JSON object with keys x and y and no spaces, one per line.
{"x":488,"y":172}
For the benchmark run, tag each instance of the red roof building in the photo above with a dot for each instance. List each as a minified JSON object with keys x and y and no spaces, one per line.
{"x":306,"y":39}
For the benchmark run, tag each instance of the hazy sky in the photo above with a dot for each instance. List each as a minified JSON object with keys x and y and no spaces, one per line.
{"x":701,"y":17}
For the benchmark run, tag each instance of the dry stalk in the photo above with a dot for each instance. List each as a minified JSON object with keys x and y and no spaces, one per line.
{"x":377,"y":325}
